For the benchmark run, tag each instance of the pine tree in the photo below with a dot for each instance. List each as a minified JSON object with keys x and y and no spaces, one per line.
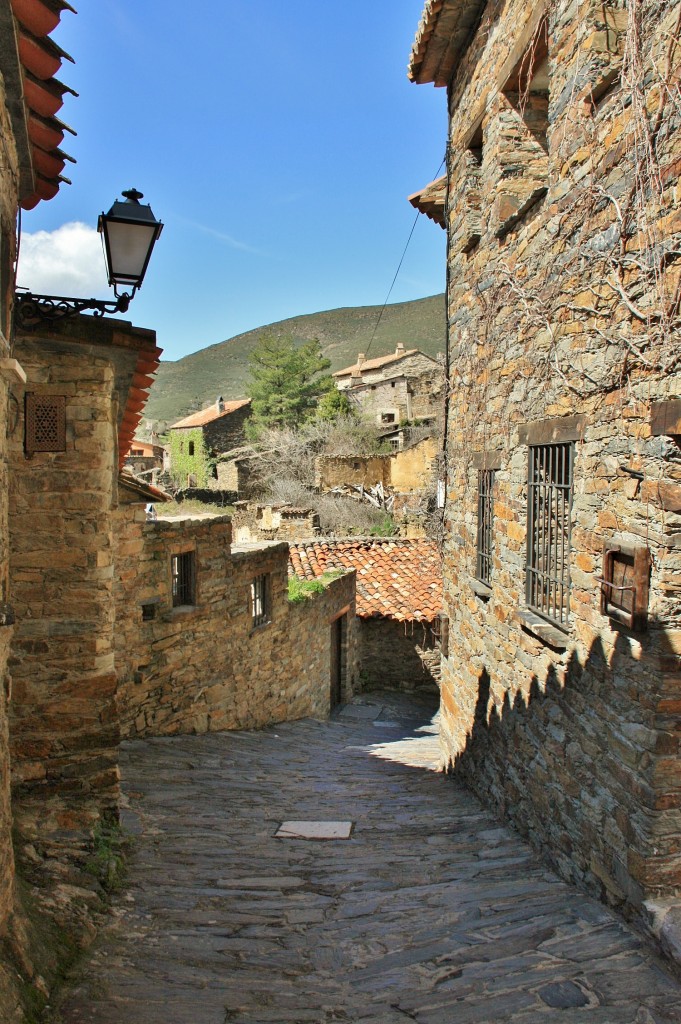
{"x":286,"y":381}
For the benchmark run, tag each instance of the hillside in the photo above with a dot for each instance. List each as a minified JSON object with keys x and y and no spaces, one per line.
{"x":222,"y":369}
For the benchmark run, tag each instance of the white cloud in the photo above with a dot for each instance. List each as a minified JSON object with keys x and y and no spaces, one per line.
{"x":66,"y":261}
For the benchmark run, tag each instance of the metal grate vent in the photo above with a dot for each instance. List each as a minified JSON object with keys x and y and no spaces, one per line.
{"x":45,"y":423}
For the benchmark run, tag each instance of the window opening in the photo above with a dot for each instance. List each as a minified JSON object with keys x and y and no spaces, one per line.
{"x":260,"y":599}
{"x":549,"y":506}
{"x":148,"y":612}
{"x":485,"y":525}
{"x":182,"y":571}
{"x":191,"y":448}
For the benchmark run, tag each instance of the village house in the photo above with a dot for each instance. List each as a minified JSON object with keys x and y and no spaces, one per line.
{"x":562,"y":561}
{"x":398,"y":604}
{"x":145,"y":459}
{"x":195,"y":442}
{"x":393,"y":389}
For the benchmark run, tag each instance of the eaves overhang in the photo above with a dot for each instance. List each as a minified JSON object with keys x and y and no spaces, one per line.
{"x":444,"y":33}
{"x":29,"y":59}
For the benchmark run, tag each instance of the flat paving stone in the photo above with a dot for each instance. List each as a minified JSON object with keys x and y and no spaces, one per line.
{"x":431,"y":911}
{"x":314,"y":830}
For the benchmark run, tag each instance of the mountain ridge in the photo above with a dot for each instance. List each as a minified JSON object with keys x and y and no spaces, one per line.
{"x":184,"y":385}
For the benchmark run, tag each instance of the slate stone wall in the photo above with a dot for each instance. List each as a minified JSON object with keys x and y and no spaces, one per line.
{"x":556,"y":310}
{"x":206,"y":667}
{"x":403,"y":655}
{"x":64,"y":732}
{"x":8,"y":206}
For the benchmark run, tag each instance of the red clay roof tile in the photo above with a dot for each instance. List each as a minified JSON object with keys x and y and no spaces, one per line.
{"x":399,"y":579}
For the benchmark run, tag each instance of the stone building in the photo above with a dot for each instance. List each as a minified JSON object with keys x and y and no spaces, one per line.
{"x":562,"y":561}
{"x":145,"y":459}
{"x":195,"y":441}
{"x":398,"y":604}
{"x":30,"y":171}
{"x":254,"y":521}
{"x":395,"y":388}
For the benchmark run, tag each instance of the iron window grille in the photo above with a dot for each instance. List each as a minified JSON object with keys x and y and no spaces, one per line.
{"x":485,"y":525}
{"x":260,"y":599}
{"x":182,"y":571}
{"x":549,"y":507}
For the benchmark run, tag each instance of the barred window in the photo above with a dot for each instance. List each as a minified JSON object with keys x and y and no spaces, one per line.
{"x":260,"y":599}
{"x":485,"y":525}
{"x":549,"y":505}
{"x":182,"y":572}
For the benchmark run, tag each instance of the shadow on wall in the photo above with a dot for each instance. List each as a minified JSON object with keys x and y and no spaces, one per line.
{"x":400,"y":655}
{"x":588,"y":765}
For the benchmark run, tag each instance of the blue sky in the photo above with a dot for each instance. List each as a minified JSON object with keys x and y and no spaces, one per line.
{"x":277,"y":140}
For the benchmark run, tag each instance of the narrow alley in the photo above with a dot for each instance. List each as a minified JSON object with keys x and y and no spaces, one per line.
{"x":429,"y":911}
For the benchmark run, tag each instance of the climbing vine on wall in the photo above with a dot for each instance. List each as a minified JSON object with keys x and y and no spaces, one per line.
{"x":190,"y":460}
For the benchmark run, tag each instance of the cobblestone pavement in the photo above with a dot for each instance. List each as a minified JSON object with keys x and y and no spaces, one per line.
{"x":429,"y":912}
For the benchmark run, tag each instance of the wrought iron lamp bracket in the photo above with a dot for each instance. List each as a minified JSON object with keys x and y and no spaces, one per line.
{"x":31,"y":309}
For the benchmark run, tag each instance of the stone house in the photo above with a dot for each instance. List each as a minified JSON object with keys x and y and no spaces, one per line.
{"x":145,"y":459}
{"x":254,"y":521}
{"x":195,"y":441}
{"x":395,"y":388}
{"x":398,"y":604}
{"x":562,"y":561}
{"x":406,"y":471}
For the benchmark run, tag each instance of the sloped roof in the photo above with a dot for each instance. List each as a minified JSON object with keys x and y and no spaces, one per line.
{"x":396,"y":578}
{"x":29,"y":59}
{"x":376,"y":364}
{"x":145,"y":492}
{"x":431,"y":200}
{"x":444,"y":32}
{"x":199,"y":419}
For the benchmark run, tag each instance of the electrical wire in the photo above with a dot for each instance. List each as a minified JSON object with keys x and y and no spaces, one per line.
{"x":399,"y":267}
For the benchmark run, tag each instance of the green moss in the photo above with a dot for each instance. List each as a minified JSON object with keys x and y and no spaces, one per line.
{"x":107,"y":860}
{"x":301,"y":590}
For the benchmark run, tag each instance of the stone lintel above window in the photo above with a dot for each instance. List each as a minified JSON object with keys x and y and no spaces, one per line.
{"x":487,"y":460}
{"x":553,"y":431}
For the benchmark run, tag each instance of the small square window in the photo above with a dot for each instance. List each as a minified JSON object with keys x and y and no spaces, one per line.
{"x":260,"y":599}
{"x":183,"y":574}
{"x":148,"y":612}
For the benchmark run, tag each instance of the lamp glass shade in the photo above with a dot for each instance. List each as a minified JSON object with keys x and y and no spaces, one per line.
{"x":130,"y":231}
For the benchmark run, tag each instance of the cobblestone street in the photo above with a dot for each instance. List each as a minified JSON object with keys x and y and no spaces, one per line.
{"x":429,"y":911}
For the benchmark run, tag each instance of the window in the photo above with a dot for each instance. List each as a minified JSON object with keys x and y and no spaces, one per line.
{"x":260,"y":599}
{"x":387,"y":417}
{"x":485,"y":524}
{"x":182,"y":571}
{"x":191,"y":448}
{"x":549,"y":504}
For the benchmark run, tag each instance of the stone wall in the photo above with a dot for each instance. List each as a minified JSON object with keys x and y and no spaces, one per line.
{"x":383,"y":397}
{"x":8,"y":209}
{"x":227,"y":432}
{"x":206,"y":667}
{"x":336,"y":470}
{"x":403,"y":655}
{"x":572,"y":729}
{"x":412,"y":468}
{"x":253,"y":522}
{"x":64,"y":733}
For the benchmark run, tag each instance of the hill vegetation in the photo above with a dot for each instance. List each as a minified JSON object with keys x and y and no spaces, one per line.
{"x":222,"y":369}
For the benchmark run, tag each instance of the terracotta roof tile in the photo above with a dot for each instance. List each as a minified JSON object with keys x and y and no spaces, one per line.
{"x":399,"y":579}
{"x":199,"y":419}
{"x":374,"y":364}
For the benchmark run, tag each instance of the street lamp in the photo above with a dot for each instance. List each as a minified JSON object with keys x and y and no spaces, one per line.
{"x":129,"y":232}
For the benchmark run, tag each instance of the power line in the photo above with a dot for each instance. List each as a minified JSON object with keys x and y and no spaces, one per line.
{"x":399,"y":266}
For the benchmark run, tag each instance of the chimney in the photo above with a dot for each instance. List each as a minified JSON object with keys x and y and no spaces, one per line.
{"x":220,"y":404}
{"x":399,"y":351}
{"x":360,"y":359}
